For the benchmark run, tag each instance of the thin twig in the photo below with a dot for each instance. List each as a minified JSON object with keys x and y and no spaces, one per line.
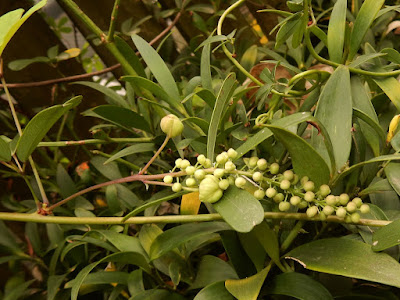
{"x":143,"y":171}
{"x":113,"y":21}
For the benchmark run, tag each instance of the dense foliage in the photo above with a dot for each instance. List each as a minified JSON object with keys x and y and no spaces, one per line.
{"x":220,"y":172}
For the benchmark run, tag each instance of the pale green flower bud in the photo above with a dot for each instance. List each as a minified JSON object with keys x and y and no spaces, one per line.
{"x":209,"y":190}
{"x":295,"y":200}
{"x":253,"y":161}
{"x":171,"y":125}
{"x":232,"y":153}
{"x":312,"y":211}
{"x":176,"y":187}
{"x":259,"y":194}
{"x":168,"y":179}
{"x":284,"y":206}
{"x":201,"y":159}
{"x":190,"y":182}
{"x":219,"y":173}
{"x":240,"y":182}
{"x":190,"y":170}
{"x":199,"y":174}
{"x":262,"y":164}
{"x":364,"y":209}
{"x":258,"y":176}
{"x":224,"y":184}
{"x":230,"y":166}
{"x":274,"y":168}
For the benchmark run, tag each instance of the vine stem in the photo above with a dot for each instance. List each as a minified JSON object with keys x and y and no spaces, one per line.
{"x":113,"y":21}
{"x":94,"y":141}
{"x":37,"y":218}
{"x":155,"y":155}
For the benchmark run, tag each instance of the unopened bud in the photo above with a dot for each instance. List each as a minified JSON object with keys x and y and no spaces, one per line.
{"x":171,"y":125}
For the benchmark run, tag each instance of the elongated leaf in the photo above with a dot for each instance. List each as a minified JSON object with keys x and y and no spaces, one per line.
{"x":386,"y":237}
{"x":190,"y":204}
{"x":126,"y":257}
{"x":364,"y":58}
{"x":157,"y":90}
{"x":380,"y":186}
{"x":137,"y":148}
{"x":214,"y":291}
{"x":12,"y":21}
{"x":102,"y":277}
{"x":157,"y":66}
{"x":18,"y":291}
{"x":391,"y":55}
{"x":334,"y":111}
{"x":298,"y":286}
{"x":20,"y":64}
{"x":5,"y":151}
{"x":224,"y":95}
{"x":53,"y":284}
{"x":212,"y":269}
{"x":372,"y":123}
{"x":247,"y":288}
{"x":391,"y":87}
{"x":205,"y":69}
{"x":356,"y":260}
{"x":129,"y":55}
{"x":306,"y":161}
{"x":119,"y":116}
{"x":40,"y":124}
{"x":112,"y":97}
{"x":336,"y":31}
{"x":365,"y":17}
{"x":240,"y":209}
{"x":174,"y":237}
{"x":381,"y":158}
{"x":392,"y":171}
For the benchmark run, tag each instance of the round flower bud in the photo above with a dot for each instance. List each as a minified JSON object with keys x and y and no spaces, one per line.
{"x":231,"y":180}
{"x":184,"y":164}
{"x":328,"y":210}
{"x":224,"y":184}
{"x":309,"y":196}
{"x":222,"y":158}
{"x":312,"y":211}
{"x":240,"y":182}
{"x":324,"y":190}
{"x":344,"y":199}
{"x":347,"y":219}
{"x":303,"y":204}
{"x":230,"y":166}
{"x":274,"y":168}
{"x":209,"y":190}
{"x":232,"y":153}
{"x":341,"y":212}
{"x":253,"y":161}
{"x":295,"y":179}
{"x":364,"y":209}
{"x":259,"y":194}
{"x":288,"y":175}
{"x":322,"y":216}
{"x":331,"y":200}
{"x":308,"y":186}
{"x":279,"y":197}
{"x":284,"y":206}
{"x":303,"y":180}
{"x":357,"y":201}
{"x":201,"y":159}
{"x":295,"y":200}
{"x":207,"y":163}
{"x":219,"y":173}
{"x":168,"y":179}
{"x":285,"y":184}
{"x":271,"y":192}
{"x":355,"y":217}
{"x":178,"y":162}
{"x":190,"y":182}
{"x":258,"y":176}
{"x":171,"y":125}
{"x":351,"y":207}
{"x":190,"y":170}
{"x":177,"y":187}
{"x":262,"y":164}
{"x":199,"y":174}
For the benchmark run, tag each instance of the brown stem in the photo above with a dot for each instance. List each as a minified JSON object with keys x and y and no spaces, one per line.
{"x":143,"y":171}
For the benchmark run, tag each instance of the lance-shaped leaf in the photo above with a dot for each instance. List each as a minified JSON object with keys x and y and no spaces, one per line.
{"x":336,"y":31}
{"x":391,"y":87}
{"x":40,"y":124}
{"x":386,"y":237}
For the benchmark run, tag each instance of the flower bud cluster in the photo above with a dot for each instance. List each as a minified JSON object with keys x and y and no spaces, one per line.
{"x":265,"y":181}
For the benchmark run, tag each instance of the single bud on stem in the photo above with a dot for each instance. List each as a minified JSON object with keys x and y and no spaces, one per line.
{"x":171,"y":126}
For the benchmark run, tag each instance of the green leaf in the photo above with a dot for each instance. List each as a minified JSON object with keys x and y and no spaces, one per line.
{"x":386,"y":237}
{"x":112,"y":97}
{"x":380,"y":186}
{"x":137,"y":148}
{"x":347,"y":257}
{"x":306,"y":161}
{"x":130,"y":55}
{"x":215,"y":291}
{"x":8,"y":240}
{"x":287,"y":29}
{"x":372,"y":123}
{"x":5,"y":151}
{"x":391,"y":87}
{"x":53,"y":284}
{"x":298,"y":286}
{"x":18,"y":291}
{"x":205,"y":69}
{"x":120,"y":116}
{"x":174,"y":237}
{"x":392,"y":171}
{"x":361,"y":164}
{"x":247,"y":288}
{"x":102,"y":277}
{"x":391,"y":55}
{"x":248,"y":60}
{"x":157,"y":66}
{"x":211,"y":270}
{"x":156,"y":89}
{"x":40,"y":124}
{"x":334,"y":111}
{"x":365,"y":17}
{"x":336,"y":31}
{"x":240,"y":209}
{"x":224,"y":95}
{"x":125,"y":257}
{"x":364,"y":58}
{"x":12,"y":21}
{"x":155,"y":294}
{"x":20,"y":64}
